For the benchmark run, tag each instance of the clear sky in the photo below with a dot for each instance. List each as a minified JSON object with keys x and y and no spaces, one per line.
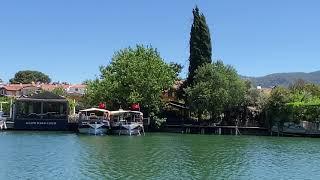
{"x":70,"y":39}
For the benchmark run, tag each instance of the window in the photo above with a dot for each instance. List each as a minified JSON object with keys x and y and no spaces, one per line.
{"x":54,"y":110}
{"x":41,"y":110}
{"x":28,"y":109}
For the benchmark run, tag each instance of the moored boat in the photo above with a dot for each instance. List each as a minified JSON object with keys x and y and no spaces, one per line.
{"x":94,"y":121}
{"x":304,"y":128}
{"x":2,"y":121}
{"x":126,"y":122}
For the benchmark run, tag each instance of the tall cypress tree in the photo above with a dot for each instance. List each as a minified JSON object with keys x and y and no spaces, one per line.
{"x":200,"y":44}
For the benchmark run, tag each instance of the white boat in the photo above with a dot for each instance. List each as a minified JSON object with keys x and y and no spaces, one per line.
{"x":3,"y":124}
{"x":290,"y":129}
{"x":94,"y":121}
{"x":126,"y":122}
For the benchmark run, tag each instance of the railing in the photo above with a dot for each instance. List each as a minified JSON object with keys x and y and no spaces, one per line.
{"x":73,"y":118}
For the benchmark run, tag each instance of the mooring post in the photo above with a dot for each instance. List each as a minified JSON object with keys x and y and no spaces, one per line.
{"x":11,"y":108}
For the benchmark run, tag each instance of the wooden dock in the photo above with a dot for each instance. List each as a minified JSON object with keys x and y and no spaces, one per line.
{"x":220,"y":130}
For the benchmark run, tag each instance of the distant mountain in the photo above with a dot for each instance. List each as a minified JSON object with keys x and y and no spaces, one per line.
{"x":284,"y":79}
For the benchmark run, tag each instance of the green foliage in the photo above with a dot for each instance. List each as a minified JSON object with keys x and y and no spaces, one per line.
{"x":200,"y":44}
{"x":217,"y":88}
{"x":27,"y":77}
{"x":297,"y":86}
{"x":256,"y":98}
{"x":177,"y":68}
{"x":157,"y":123}
{"x":5,"y":106}
{"x":59,"y":91}
{"x":300,"y":102}
{"x":135,"y":75}
{"x":313,"y":89}
{"x":72,"y":105}
{"x":278,"y":111}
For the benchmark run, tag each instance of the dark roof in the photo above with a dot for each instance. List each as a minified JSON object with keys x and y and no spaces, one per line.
{"x":44,"y":96}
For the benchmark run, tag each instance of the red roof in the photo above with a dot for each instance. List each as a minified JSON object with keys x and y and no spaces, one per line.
{"x":50,"y":87}
{"x":16,"y":87}
{"x":46,"y":87}
{"x":78,"y":86}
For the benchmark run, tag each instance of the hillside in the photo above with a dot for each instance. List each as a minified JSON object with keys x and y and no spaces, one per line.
{"x":285,"y":79}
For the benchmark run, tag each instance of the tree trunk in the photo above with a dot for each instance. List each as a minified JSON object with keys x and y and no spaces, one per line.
{"x":199,"y":116}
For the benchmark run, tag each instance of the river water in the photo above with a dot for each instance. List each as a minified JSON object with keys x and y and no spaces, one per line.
{"x":55,"y":155}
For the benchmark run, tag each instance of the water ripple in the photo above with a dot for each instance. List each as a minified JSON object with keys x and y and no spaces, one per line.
{"x":46,"y":155}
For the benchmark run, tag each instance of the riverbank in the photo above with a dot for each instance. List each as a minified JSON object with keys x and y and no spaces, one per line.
{"x":198,"y":129}
{"x":188,"y":129}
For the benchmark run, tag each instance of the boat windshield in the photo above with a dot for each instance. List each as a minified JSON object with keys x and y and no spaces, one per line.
{"x":94,"y":115}
{"x":126,"y":117}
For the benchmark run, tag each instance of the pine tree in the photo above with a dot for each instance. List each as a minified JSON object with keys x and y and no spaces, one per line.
{"x":200,"y":44}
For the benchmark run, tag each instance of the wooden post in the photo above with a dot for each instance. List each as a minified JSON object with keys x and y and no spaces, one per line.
{"x":41,"y":110}
{"x":11,"y":108}
{"x":74,"y":107}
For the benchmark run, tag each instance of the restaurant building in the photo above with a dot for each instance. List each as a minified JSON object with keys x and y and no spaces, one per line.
{"x":43,"y":111}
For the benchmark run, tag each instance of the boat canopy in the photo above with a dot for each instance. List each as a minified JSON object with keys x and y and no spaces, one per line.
{"x":120,"y":112}
{"x":95,"y":109}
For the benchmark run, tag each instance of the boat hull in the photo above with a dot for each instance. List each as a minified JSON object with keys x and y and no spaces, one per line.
{"x":296,"y":132}
{"x":93,"y":129}
{"x":130,"y":129}
{"x":127,"y":132}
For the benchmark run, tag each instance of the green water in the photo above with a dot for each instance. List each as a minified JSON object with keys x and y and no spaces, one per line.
{"x":52,"y":155}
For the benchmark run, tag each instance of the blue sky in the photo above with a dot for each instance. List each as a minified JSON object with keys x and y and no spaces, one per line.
{"x":70,"y":39}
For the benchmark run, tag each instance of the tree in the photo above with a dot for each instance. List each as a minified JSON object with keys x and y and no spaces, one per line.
{"x":277,"y":109}
{"x":299,"y":102}
{"x":177,"y":68}
{"x":256,"y":98}
{"x":6,"y":104}
{"x":200,"y":44}
{"x":135,"y":75}
{"x":27,"y":77}
{"x":298,"y":85}
{"x":304,"y":102}
{"x":59,"y":91}
{"x":216,"y":88}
